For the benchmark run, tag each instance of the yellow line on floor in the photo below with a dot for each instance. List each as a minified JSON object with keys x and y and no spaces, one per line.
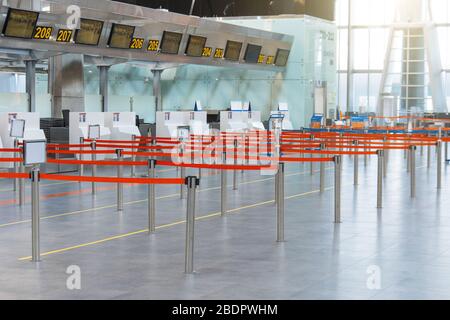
{"x":135,"y":202}
{"x":212,"y":215}
{"x":83,"y":211}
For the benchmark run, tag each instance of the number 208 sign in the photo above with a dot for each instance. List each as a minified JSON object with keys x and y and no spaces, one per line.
{"x":42,"y":33}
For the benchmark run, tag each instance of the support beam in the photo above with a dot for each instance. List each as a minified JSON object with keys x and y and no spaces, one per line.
{"x":192,"y":8}
{"x":104,"y":87}
{"x":66,"y":83}
{"x":157,"y":89}
{"x":31,"y":84}
{"x":350,"y":58}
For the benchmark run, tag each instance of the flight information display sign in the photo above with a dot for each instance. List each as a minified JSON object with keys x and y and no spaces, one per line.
{"x":252,"y":53}
{"x":282,"y":57}
{"x":170,"y":42}
{"x":20,"y":23}
{"x":89,"y":33}
{"x":195,"y":46}
{"x":121,"y":36}
{"x":233,"y":50}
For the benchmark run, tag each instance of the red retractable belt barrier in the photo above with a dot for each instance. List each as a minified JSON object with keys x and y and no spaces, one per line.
{"x":7,"y":175}
{"x":81,"y":151}
{"x":289,"y":159}
{"x":112,"y":180}
{"x":118,"y":146}
{"x":68,"y":146}
{"x":113,"y":141}
{"x":328,"y":152}
{"x":97,"y":163}
{"x":213,"y":166}
{"x":11,"y":159}
{"x":10,"y":150}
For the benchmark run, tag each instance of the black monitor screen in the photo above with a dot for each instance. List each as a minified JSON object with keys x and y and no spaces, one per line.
{"x":171,"y":42}
{"x":233,"y":50}
{"x":121,"y":36}
{"x":90,"y":32}
{"x":252,"y":53}
{"x":195,"y":46}
{"x":282,"y":57}
{"x":20,"y":23}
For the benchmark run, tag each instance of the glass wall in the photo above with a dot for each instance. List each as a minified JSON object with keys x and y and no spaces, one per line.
{"x":370,"y":25}
{"x":369,"y":31}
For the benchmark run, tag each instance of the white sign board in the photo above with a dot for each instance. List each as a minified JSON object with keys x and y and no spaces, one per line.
{"x":236,"y":106}
{"x":199,"y":105}
{"x":34,"y":152}
{"x":17,"y":128}
{"x":283,"y":106}
{"x":94,"y":132}
{"x":183,"y":133}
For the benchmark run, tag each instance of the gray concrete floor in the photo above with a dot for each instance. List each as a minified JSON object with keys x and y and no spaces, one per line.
{"x":236,"y":257}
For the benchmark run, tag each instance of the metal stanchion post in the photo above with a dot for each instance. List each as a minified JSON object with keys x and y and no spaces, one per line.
{"x":192,"y":184}
{"x":151,"y":197}
{"x":223,"y":193}
{"x":280,"y":203}
{"x":429,"y":156}
{"x":356,"y":166}
{"x":94,"y":166}
{"x":182,"y":169}
{"x":133,"y":157}
{"x":385,"y":158}
{"x":276,"y":187}
{"x":408,"y":160}
{"x":119,"y":153}
{"x":201,"y":156}
{"x":235,"y":185}
{"x":380,"y":154}
{"x":322,"y":170}
{"x":312,"y":163}
{"x":81,"y":158}
{"x":412,"y":157}
{"x":16,"y":168}
{"x":35,"y":218}
{"x":365,"y":156}
{"x":337,"y":188}
{"x":182,"y":176}
{"x":247,"y":149}
{"x":21,"y":186}
{"x":446,"y":148}
{"x":439,"y":164}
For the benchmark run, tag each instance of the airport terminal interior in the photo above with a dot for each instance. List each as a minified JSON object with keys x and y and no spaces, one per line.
{"x":223,"y":150}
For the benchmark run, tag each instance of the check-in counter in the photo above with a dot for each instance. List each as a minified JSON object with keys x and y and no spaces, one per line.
{"x":287,"y":124}
{"x":168,"y":122}
{"x":122,"y":125}
{"x":240,"y":121}
{"x":79,"y":128}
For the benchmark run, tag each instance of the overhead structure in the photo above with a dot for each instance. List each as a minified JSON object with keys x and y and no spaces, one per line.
{"x":72,"y":33}
{"x":129,"y":33}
